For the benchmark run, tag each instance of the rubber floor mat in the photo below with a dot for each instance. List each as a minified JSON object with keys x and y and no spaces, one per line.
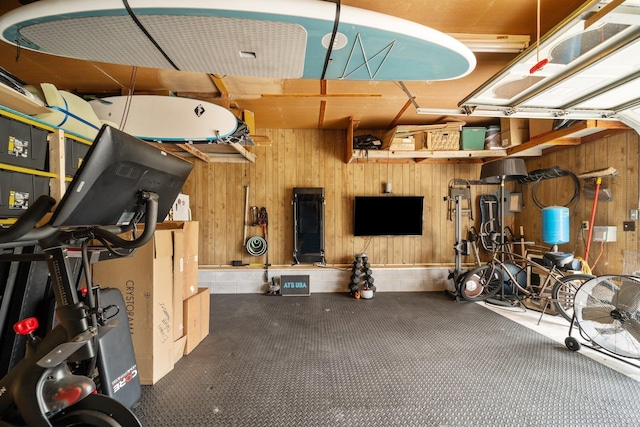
{"x":399,"y":359}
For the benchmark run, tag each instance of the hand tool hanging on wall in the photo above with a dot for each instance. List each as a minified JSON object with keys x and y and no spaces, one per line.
{"x":254,"y":215}
{"x":263,"y":221}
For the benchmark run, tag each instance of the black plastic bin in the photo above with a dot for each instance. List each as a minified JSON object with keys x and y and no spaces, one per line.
{"x":74,"y":153}
{"x":18,"y":191}
{"x":22,"y":144}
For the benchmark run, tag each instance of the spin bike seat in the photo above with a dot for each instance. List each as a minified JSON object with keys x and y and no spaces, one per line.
{"x":558,"y":259}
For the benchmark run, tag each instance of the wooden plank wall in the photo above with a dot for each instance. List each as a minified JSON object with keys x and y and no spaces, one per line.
{"x":315,"y":158}
{"x":620,"y":151}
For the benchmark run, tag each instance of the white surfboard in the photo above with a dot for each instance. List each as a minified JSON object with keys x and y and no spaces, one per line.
{"x":166,"y":118}
{"x":275,"y":38}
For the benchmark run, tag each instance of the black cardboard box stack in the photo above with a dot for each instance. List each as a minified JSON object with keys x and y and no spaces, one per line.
{"x":168,"y":314}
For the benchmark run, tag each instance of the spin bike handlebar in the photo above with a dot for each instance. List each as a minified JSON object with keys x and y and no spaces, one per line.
{"x":24,"y":233}
{"x":28,"y":220}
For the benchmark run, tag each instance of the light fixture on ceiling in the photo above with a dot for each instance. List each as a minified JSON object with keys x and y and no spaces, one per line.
{"x":493,"y":43}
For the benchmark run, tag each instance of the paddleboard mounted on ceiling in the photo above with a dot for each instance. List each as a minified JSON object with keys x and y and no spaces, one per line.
{"x":276,"y":39}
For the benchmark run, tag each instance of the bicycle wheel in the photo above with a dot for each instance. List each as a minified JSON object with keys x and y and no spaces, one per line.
{"x":563,"y":292}
{"x":482,"y":283}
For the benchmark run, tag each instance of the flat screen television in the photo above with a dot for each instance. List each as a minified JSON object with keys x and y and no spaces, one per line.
{"x":104,"y":190}
{"x":388,"y":215}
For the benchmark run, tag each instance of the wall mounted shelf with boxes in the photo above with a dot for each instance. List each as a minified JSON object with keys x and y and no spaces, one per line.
{"x":35,"y":159}
{"x":452,"y":142}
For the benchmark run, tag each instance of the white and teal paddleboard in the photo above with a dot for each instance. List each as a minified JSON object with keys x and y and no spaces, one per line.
{"x":275,"y":38}
{"x":167,"y":118}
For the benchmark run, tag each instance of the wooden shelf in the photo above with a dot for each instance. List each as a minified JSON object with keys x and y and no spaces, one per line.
{"x":573,"y":135}
{"x":15,"y":100}
{"x":423,"y":156}
{"x":211,"y":153}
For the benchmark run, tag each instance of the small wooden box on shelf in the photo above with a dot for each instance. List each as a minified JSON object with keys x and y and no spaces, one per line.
{"x":436,"y":137}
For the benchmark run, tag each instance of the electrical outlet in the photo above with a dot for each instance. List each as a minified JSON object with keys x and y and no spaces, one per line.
{"x":628,"y":226}
{"x":585,"y":225}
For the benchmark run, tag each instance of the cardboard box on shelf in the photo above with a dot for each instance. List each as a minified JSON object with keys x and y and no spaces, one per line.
{"x":409,"y":143}
{"x":146,"y":282}
{"x":539,"y":127}
{"x":514,"y":131}
{"x":196,"y":318}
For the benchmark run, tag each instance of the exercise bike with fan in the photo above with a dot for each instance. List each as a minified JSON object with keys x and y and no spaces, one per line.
{"x":122,"y":182}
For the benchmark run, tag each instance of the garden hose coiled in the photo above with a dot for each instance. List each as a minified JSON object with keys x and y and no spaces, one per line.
{"x":256,"y":246}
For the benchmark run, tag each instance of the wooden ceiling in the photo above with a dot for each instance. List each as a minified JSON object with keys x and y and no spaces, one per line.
{"x":280,"y":103}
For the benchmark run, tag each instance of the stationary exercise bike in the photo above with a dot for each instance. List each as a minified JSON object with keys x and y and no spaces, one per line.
{"x":122,"y":182}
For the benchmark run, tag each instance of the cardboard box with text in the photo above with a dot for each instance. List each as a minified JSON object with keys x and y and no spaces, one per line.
{"x":146,"y":282}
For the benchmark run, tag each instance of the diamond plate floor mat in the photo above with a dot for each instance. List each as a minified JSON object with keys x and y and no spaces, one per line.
{"x":399,"y":359}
